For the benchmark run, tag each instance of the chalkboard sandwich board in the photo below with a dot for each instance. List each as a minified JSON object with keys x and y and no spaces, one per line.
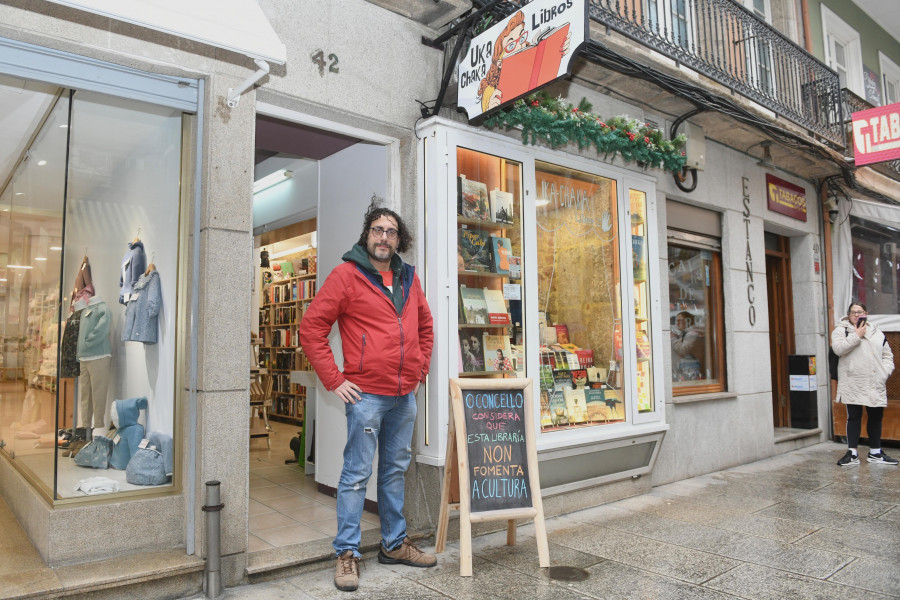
{"x":491,"y":471}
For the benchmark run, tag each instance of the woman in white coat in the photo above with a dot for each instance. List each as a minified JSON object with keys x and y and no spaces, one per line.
{"x":865,"y":364}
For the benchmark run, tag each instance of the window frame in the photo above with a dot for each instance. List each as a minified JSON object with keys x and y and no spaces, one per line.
{"x":835,"y":28}
{"x":890,"y":71}
{"x":674,"y":237}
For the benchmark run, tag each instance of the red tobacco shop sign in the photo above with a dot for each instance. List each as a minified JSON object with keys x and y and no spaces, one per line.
{"x":786,"y":198}
{"x":876,"y":134}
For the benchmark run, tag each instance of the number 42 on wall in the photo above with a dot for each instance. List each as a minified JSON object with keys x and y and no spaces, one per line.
{"x":318,"y":58}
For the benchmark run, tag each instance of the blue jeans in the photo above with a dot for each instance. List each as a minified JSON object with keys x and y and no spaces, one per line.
{"x":385,"y":421}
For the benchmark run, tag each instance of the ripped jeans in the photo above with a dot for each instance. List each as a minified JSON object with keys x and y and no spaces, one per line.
{"x":385,"y":421}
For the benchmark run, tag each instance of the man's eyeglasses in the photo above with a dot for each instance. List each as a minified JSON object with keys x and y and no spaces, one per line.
{"x":857,"y":312}
{"x":380,"y":231}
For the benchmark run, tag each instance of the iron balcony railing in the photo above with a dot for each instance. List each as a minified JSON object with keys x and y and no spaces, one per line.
{"x":726,"y":42}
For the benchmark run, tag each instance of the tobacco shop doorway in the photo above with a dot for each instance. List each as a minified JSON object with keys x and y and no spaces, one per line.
{"x":312,"y":184}
{"x":781,"y":324}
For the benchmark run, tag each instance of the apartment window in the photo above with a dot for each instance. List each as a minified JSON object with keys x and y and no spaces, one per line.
{"x":670,"y":19}
{"x":696,"y":304}
{"x":890,"y":75}
{"x":842,"y":52}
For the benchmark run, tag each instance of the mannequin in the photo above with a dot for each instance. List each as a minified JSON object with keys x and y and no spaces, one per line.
{"x":95,"y":357}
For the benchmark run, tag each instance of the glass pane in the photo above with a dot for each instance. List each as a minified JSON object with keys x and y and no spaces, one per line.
{"x":642,"y":330}
{"x":580,"y":299}
{"x":695,"y":308}
{"x":891,"y":88}
{"x":876,"y":266}
{"x":32,"y":229}
{"x":489,"y":265}
{"x":119,"y":277}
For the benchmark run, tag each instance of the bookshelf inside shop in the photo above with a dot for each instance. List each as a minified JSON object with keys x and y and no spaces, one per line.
{"x":282,"y":304}
{"x":489,"y":266}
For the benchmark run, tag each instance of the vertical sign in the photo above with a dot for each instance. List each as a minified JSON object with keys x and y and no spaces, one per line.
{"x":527,"y":50}
{"x":748,"y":256}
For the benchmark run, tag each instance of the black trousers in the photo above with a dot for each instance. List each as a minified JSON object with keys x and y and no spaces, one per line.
{"x":873,"y":426}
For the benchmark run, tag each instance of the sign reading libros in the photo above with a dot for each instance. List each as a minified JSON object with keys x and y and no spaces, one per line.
{"x":876,"y":134}
{"x":525,"y":51}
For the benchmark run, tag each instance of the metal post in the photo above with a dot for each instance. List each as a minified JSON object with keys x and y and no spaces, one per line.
{"x":212,"y":580}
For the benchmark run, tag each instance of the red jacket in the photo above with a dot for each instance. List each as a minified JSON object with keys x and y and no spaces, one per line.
{"x":383,"y":354}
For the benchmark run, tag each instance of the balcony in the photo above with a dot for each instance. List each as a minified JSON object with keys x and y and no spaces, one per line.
{"x":727,"y":43}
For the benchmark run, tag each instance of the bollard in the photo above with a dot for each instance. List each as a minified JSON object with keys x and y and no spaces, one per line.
{"x":212,"y":578}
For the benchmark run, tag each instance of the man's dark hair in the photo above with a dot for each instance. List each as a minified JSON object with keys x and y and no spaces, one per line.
{"x":375,"y":212}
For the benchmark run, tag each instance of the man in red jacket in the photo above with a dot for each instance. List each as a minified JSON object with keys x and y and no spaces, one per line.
{"x":387,"y":337}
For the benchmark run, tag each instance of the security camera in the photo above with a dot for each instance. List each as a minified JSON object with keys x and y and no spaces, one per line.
{"x":833,"y":214}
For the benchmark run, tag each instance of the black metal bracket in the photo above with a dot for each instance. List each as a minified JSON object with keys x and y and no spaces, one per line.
{"x":460,"y":28}
{"x":215,"y":508}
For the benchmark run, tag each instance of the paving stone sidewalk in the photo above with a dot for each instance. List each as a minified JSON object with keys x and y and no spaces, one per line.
{"x":795,"y":525}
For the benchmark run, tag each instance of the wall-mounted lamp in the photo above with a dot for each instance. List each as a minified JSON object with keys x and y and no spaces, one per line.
{"x":766,"y":161}
{"x":831,"y":206}
{"x":268,"y":181}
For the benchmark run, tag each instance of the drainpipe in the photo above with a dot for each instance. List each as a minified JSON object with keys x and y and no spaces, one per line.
{"x":212,"y":579}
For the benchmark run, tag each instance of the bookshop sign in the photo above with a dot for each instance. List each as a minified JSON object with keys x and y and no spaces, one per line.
{"x":529,"y":49}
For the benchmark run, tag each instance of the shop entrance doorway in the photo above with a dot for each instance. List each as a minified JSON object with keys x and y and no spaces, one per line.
{"x":781,"y":324}
{"x":312,"y":185}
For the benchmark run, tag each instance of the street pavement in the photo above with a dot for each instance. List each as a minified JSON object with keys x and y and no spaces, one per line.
{"x":795,"y":525}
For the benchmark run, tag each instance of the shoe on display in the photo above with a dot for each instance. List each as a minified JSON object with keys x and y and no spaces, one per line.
{"x":346,"y":572}
{"x":848,"y":460}
{"x":406,"y":553}
{"x":882,"y":459}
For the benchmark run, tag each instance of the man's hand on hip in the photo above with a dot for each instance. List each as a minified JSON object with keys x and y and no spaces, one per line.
{"x":348,"y":391}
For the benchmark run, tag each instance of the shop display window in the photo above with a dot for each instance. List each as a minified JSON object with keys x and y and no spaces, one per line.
{"x":580,"y":299}
{"x":695,"y":310}
{"x":489,"y":266}
{"x":875,"y":266}
{"x":91,"y":231}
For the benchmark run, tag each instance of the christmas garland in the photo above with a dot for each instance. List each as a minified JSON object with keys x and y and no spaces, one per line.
{"x":558,"y":123}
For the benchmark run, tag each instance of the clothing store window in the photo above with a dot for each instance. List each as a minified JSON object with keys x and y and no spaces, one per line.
{"x":580,"y":299}
{"x":875,"y":266}
{"x":91,"y":234}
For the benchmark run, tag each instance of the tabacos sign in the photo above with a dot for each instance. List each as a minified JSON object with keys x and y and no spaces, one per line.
{"x":525,"y":51}
{"x":876,"y":134}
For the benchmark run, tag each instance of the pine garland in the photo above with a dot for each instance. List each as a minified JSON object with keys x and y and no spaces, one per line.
{"x":557,"y":123}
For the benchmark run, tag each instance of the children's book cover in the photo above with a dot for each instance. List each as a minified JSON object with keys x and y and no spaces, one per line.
{"x":472,"y":361}
{"x":502,"y":207}
{"x":501,"y":250}
{"x":496,"y":307}
{"x":558,"y":408}
{"x":596,"y":407}
{"x":546,"y":417}
{"x":497,"y":353}
{"x":474,"y":202}
{"x":473,"y":304}
{"x":474,"y":250}
{"x":575,"y":406}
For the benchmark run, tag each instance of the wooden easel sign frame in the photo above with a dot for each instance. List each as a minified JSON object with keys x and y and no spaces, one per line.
{"x":491,"y":468}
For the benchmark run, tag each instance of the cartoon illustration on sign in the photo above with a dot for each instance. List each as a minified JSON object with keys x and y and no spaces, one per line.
{"x":528,"y":50}
{"x":518,"y":66}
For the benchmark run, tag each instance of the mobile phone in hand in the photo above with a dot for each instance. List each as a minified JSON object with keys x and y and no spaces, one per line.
{"x":861,"y":321}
